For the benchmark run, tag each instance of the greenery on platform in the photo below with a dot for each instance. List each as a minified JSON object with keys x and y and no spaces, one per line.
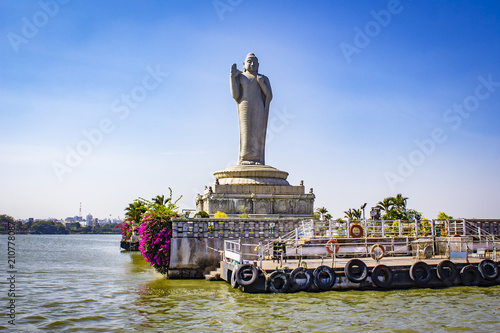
{"x":444,"y":216}
{"x":153,"y":221}
{"x":202,"y":214}
{"x":220,"y":215}
{"x":321,"y":213}
{"x":353,"y":214}
{"x":243,"y":210}
{"x":391,"y":208}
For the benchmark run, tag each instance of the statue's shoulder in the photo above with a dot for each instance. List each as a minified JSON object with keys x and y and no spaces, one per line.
{"x":262,"y":77}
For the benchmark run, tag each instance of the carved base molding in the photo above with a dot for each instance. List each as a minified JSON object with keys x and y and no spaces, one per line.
{"x":257,"y":190}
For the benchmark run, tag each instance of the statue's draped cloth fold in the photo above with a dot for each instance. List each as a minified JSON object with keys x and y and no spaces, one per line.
{"x":253,"y":116}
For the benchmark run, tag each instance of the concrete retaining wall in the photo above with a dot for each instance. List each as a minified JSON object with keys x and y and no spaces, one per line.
{"x":197,"y":244}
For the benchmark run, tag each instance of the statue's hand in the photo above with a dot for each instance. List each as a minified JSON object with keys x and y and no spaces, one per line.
{"x":234,"y":71}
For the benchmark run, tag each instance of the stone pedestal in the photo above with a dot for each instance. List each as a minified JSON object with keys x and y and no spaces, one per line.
{"x":261,"y":190}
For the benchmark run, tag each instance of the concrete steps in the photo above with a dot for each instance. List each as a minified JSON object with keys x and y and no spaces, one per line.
{"x":213,"y":275}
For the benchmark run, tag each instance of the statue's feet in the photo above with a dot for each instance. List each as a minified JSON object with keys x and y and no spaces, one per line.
{"x":251,"y":163}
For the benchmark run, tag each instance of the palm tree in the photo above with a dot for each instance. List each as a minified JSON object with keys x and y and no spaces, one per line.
{"x":400,"y":202}
{"x":160,"y":200}
{"x":322,"y":211}
{"x":353,"y":214}
{"x":386,"y":204}
{"x":134,"y":211}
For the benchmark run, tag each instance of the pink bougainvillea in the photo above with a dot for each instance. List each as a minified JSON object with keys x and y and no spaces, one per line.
{"x":126,"y":228}
{"x":155,"y":233}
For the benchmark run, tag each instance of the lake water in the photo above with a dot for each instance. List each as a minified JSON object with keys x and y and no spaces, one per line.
{"x":84,"y":283}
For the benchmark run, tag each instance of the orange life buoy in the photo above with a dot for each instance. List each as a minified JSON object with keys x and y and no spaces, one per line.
{"x":329,"y":247}
{"x":356,"y":231}
{"x":377,"y":254}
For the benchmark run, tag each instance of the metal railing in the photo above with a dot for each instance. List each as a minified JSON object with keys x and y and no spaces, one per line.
{"x":315,"y":230}
{"x":419,"y":248}
{"x":233,"y":251}
{"x":420,"y":239}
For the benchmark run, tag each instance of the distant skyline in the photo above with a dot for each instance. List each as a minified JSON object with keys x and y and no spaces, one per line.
{"x":105,"y":102}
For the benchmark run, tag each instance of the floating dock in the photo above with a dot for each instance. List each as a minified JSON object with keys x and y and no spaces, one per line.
{"x":304,"y":262}
{"x":359,"y":273}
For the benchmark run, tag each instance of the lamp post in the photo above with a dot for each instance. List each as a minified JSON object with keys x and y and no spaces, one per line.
{"x":363,"y":208}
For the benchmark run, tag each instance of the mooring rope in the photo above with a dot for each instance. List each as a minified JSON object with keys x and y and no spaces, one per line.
{"x":211,"y":248}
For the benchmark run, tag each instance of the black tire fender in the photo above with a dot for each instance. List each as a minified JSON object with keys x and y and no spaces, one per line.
{"x":298,"y":273}
{"x":447,"y":271}
{"x":274,"y":277}
{"x":488,"y":269}
{"x":356,"y":270}
{"x":420,"y":273}
{"x":322,"y":282}
{"x":385,"y":272}
{"x":470,"y":275}
{"x":246,"y":274}
{"x":234,"y":283}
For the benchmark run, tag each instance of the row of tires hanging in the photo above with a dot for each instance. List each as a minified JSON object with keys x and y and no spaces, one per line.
{"x":324,"y":278}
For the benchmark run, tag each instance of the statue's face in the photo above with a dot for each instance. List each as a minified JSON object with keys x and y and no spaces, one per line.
{"x":251,"y":64}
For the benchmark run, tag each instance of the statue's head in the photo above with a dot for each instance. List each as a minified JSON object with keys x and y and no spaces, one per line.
{"x":251,"y":63}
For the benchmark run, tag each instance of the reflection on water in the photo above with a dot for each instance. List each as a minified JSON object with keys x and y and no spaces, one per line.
{"x":75,"y":283}
{"x":216,"y":306}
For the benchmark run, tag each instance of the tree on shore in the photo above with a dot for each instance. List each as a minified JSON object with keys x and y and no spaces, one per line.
{"x":48,"y":227}
{"x":353,"y":214}
{"x":385,"y":205}
{"x":135,"y":210}
{"x":395,"y":208}
{"x":5,"y":220}
{"x":321,"y":211}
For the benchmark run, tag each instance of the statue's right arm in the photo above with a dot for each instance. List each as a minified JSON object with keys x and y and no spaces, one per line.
{"x":235,"y":84}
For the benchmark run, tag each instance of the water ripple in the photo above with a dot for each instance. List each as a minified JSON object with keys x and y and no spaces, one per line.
{"x":84,"y":283}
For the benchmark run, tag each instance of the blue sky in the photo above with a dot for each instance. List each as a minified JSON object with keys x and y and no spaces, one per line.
{"x":371,"y":99}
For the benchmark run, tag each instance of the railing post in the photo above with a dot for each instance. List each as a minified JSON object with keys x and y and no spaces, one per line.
{"x":399,"y":228}
{"x":348,"y":224}
{"x":239,"y":250}
{"x":448,"y":227}
{"x":433,"y":232}
{"x":416,"y":228}
{"x":464,"y":223}
{"x":296,"y":237}
{"x":260,"y":253}
{"x":383,"y":228}
{"x":330,"y":227}
{"x":366,"y":228}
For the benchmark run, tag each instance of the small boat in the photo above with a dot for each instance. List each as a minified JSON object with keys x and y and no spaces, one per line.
{"x":129,"y":245}
{"x":132,"y":243}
